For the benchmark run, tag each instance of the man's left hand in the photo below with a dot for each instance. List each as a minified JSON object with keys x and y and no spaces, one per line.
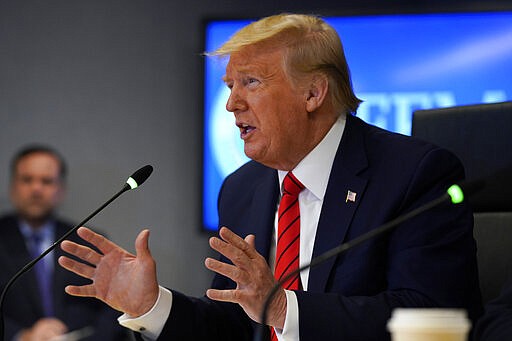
{"x":252,"y":275}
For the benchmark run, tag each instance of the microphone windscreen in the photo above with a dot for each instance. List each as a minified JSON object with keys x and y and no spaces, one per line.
{"x":140,"y":176}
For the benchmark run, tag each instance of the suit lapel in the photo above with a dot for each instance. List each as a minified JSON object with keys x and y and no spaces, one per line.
{"x":337,"y":212}
{"x":263,"y":210}
{"x":19,"y":257}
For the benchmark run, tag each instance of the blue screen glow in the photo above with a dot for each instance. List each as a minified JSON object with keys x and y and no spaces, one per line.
{"x":399,"y":63}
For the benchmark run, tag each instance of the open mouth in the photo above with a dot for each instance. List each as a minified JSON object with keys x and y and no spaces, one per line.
{"x":245,"y":130}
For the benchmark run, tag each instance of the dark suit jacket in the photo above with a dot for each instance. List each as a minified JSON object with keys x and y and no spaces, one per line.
{"x":496,"y":324}
{"x":428,"y":261}
{"x":22,"y":306}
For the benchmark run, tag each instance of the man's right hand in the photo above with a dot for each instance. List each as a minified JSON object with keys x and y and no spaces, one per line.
{"x":43,"y":330}
{"x":122,"y":280}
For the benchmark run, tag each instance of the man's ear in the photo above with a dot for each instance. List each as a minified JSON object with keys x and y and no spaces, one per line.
{"x":317,"y":92}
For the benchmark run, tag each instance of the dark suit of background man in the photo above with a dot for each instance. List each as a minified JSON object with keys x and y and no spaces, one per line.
{"x":293,"y":102}
{"x":496,"y":323}
{"x":36,"y":189}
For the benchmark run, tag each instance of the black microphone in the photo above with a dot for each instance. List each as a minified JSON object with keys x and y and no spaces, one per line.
{"x":134,"y":181}
{"x":455,"y":193}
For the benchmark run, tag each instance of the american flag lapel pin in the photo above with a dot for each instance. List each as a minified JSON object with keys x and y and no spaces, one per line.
{"x":351,"y":196}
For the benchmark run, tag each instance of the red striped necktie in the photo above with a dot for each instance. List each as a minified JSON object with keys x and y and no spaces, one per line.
{"x":288,"y":235}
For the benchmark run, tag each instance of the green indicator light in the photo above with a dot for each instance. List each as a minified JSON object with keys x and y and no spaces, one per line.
{"x":455,"y":192}
{"x":132,"y":183}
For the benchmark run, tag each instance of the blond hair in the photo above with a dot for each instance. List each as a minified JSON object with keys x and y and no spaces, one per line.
{"x":311,"y":46}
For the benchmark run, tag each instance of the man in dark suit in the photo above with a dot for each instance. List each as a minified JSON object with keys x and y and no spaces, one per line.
{"x":293,"y":102}
{"x":36,"y":307}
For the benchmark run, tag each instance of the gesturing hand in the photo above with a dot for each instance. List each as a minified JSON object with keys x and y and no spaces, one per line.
{"x":125,"y":282}
{"x":44,"y":329}
{"x":252,"y":275}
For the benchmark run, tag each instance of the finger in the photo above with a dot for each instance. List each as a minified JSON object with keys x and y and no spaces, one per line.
{"x":83,"y":252}
{"x":82,"y":291}
{"x":142,"y":244}
{"x":54,"y":326}
{"x":234,"y":254}
{"x":251,"y":240}
{"x":223,"y":295}
{"x":228,"y":270}
{"x":49,"y":325}
{"x":102,"y":243}
{"x":78,"y":268}
{"x":235,"y":240}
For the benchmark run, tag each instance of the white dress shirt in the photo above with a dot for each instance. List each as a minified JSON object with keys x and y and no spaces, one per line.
{"x":313,"y":172}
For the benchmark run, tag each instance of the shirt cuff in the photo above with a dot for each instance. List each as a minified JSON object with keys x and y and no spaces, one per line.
{"x":290,"y":331}
{"x":150,"y":324}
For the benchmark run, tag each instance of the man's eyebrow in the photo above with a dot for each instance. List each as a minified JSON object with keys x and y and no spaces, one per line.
{"x":242,"y":71}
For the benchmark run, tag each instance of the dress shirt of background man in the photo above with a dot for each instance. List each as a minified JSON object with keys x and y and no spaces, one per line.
{"x":292,"y":100}
{"x":36,"y":189}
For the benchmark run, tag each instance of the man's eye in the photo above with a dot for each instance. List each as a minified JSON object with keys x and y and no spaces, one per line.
{"x":25,"y":179}
{"x":250,"y":81}
{"x":48,"y":182}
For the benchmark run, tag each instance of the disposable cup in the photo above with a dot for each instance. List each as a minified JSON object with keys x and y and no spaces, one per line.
{"x":408,"y":324}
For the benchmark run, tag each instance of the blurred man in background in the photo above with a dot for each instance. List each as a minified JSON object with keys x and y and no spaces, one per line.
{"x":36,"y":307}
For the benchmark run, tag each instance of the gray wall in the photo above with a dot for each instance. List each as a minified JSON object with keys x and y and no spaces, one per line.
{"x":114,"y":85}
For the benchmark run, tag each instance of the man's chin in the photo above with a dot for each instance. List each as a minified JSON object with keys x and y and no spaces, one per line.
{"x":252,"y":152}
{"x":37,"y":217}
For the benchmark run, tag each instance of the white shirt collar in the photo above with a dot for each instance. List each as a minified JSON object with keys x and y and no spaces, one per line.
{"x":314,"y":170}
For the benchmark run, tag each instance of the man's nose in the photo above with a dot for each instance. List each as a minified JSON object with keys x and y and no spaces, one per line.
{"x":235,"y":102}
{"x":36,"y":186}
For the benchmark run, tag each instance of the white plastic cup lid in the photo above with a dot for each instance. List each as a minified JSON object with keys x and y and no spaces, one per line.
{"x":447,"y":320}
